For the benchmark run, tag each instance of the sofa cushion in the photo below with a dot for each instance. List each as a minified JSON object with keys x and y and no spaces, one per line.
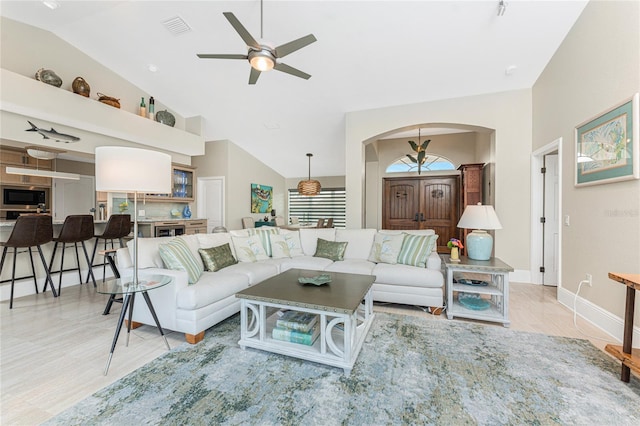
{"x":148,"y":254}
{"x":309,"y":238}
{"x":386,"y":248}
{"x":249,"y":249}
{"x":416,"y":249}
{"x":333,"y":250}
{"x":360,"y":241}
{"x":285,"y":245}
{"x":192,"y":242}
{"x":215,"y":240}
{"x":264,"y":233}
{"x":406,"y":275}
{"x":216,"y":258}
{"x":352,"y":266}
{"x":176,"y":255}
{"x":210,"y":288}
{"x":305,"y":262}
{"x":255,"y":271}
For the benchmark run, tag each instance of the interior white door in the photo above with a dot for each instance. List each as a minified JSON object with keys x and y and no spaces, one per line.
{"x":211,"y":200}
{"x":552,"y":221}
{"x":73,"y":197}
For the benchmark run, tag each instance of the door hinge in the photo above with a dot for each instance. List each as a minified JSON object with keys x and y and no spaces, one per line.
{"x":542,"y":269}
{"x":543,"y":220}
{"x":543,"y":170}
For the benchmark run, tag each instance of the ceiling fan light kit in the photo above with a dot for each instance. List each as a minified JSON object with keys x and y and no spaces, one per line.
{"x":309,"y":187}
{"x":261,"y":60}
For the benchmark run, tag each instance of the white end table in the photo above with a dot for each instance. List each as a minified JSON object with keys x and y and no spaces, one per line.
{"x":495,"y":274}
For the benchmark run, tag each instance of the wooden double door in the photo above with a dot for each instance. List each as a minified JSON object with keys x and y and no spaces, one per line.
{"x":422,"y":203}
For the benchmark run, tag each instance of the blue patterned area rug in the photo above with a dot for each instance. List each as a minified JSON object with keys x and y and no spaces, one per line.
{"x":410,"y":371}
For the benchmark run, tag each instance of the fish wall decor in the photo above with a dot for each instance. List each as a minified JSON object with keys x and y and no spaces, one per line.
{"x":52,"y":134}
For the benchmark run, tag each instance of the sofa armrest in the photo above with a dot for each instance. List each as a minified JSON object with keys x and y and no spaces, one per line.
{"x":434,"y":261}
{"x":123,"y":259}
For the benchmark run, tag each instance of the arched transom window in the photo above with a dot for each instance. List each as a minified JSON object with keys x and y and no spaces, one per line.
{"x":432,"y":163}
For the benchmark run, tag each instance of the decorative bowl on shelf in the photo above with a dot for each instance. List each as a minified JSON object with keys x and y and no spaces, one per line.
{"x":165,"y":117}
{"x":176,"y":213}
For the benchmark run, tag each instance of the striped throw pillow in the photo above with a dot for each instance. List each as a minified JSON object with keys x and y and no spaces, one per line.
{"x":416,"y":249}
{"x":176,"y":256}
{"x":265,"y":237}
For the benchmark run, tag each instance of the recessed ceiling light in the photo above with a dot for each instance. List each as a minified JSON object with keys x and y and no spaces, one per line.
{"x":51,"y":4}
{"x":152,"y":68}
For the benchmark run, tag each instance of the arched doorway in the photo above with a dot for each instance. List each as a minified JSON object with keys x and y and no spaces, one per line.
{"x":457,"y":142}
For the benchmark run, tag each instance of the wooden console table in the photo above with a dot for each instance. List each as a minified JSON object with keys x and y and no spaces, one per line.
{"x":630,"y":357}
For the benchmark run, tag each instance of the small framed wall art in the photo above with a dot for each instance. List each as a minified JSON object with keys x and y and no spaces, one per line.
{"x":607,"y":146}
{"x":261,"y":198}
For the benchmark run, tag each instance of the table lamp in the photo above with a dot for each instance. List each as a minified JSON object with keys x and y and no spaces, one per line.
{"x":479,"y":218}
{"x":124,"y":169}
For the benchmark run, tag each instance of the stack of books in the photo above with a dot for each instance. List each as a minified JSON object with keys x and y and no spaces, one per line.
{"x":296,"y":327}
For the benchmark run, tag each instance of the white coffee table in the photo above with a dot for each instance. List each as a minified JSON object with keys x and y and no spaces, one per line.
{"x":344,"y":306}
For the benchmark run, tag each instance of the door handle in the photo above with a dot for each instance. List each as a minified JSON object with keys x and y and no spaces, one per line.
{"x":422,"y":219}
{"x":415,"y":218}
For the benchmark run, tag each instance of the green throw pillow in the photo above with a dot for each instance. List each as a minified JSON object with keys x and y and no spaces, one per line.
{"x":216,"y":258}
{"x":176,"y":256}
{"x":333,"y":250}
{"x":416,"y":249}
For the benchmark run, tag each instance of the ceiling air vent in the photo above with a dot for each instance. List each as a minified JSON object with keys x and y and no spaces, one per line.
{"x":176,"y":25}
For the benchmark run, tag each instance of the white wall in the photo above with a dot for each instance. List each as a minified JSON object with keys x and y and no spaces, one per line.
{"x":597,"y":66}
{"x":509,"y":113}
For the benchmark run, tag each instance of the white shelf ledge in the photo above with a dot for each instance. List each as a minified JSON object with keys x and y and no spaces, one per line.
{"x":31,"y":98}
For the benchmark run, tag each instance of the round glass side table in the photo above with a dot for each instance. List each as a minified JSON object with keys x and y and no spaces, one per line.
{"x":128,"y":290}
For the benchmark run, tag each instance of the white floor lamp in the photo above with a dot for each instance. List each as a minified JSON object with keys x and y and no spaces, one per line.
{"x":124,"y":169}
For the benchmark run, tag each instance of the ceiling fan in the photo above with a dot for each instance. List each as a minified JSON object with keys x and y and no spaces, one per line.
{"x":260,"y":55}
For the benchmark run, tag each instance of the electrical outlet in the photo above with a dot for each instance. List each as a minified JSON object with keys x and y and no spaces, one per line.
{"x":589,"y":280}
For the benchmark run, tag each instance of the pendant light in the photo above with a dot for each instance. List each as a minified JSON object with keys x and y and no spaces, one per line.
{"x":309,"y":187}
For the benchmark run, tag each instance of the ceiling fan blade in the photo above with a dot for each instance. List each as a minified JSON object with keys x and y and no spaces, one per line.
{"x":241,"y":30}
{"x":222,"y":56}
{"x":290,"y":70}
{"x":253,"y":77}
{"x":284,"y":49}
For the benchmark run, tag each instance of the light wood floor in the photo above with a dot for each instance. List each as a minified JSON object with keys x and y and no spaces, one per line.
{"x":53,"y":351}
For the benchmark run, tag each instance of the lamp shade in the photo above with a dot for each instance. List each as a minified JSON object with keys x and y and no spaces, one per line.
{"x":309,"y":187}
{"x":124,"y":169}
{"x":479,"y":218}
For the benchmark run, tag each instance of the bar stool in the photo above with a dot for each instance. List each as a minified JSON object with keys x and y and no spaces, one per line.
{"x":118,"y":226}
{"x":29,"y":231}
{"x":75,"y":229}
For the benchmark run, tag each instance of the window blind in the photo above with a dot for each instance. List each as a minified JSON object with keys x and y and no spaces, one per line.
{"x":330,"y":203}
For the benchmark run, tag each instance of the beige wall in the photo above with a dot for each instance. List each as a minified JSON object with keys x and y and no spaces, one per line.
{"x":508,"y":113}
{"x":597,"y":66}
{"x":241,"y":169}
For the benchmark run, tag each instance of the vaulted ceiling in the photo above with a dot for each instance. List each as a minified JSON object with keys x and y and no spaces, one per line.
{"x":369,"y":54}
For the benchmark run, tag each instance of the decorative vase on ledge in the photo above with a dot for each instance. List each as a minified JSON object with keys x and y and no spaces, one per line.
{"x":186,"y":213}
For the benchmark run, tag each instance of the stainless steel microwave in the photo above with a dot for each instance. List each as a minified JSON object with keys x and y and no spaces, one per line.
{"x":24,"y":198}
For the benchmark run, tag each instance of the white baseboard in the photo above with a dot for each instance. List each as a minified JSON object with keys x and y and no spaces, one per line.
{"x":520,"y":276}
{"x":604,"y":320}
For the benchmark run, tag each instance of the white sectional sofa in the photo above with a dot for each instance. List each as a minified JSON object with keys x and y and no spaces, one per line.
{"x":193,"y":308}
